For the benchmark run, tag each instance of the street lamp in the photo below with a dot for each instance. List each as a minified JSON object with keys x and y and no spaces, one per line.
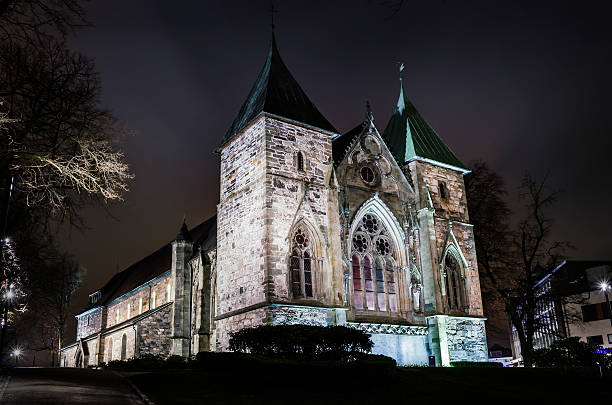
{"x":17,"y":353}
{"x":604,"y":287}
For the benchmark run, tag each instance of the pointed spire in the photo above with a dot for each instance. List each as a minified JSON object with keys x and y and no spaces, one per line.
{"x":183,"y":235}
{"x":410,"y":137}
{"x":276,"y":92}
{"x":369,"y":114}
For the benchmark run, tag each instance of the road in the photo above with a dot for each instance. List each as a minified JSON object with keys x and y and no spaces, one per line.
{"x":64,"y":386}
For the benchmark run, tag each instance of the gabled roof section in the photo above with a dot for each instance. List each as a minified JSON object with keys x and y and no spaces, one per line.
{"x":276,"y":92}
{"x":154,"y":265}
{"x":342,"y":143}
{"x":410,"y":137}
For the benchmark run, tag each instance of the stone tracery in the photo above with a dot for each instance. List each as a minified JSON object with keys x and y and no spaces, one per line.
{"x":373,"y":265}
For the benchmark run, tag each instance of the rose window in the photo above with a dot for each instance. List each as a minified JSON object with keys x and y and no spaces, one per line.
{"x":382,"y":246}
{"x":360,"y":243}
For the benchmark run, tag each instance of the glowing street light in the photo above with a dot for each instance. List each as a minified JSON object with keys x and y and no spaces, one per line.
{"x":604,"y":287}
{"x":17,"y":352}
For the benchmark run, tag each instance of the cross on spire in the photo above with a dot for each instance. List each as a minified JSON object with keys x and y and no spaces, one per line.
{"x":272,"y":11}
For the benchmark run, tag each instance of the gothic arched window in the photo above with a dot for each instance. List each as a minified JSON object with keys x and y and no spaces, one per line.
{"x":300,"y":161}
{"x":300,"y":266}
{"x":123,"y":347}
{"x":453,"y":283}
{"x":373,"y":264}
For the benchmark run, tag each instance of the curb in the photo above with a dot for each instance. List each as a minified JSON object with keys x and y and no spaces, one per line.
{"x":141,"y":394}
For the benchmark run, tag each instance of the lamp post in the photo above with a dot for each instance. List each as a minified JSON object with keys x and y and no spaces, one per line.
{"x":604,"y":286}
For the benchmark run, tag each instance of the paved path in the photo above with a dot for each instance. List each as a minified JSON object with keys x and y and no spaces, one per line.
{"x":64,"y":386}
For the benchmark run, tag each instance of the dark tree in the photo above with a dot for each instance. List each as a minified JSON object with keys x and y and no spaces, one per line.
{"x":59,"y":149}
{"x":514,"y":257}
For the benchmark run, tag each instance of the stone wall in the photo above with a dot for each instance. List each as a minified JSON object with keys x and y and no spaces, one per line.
{"x":407,"y":350}
{"x":241,"y":232}
{"x":285,"y":315}
{"x":150,"y":296}
{"x":113,"y":343}
{"x":89,"y":323}
{"x":300,"y":198}
{"x":234,"y":323}
{"x":67,"y":355}
{"x":457,"y":339}
{"x":467,"y":340}
{"x":154,"y":333}
{"x":438,"y":216}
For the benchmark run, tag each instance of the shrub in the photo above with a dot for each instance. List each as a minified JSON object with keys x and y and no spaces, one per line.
{"x":302,"y":342}
{"x":570,"y":352}
{"x":475,"y":364}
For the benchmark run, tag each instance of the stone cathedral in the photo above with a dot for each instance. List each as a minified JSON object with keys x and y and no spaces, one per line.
{"x":365,"y":229}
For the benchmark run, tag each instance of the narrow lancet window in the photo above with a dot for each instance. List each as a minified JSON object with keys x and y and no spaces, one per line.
{"x":301,"y":266}
{"x":300,"y":161}
{"x":453,"y":283}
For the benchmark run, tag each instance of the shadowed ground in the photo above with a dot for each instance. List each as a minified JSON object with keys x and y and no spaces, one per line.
{"x":64,"y":386}
{"x":332,"y":384}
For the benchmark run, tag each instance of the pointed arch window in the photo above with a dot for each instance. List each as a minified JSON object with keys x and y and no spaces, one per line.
{"x":373,"y":264}
{"x":301,"y":266}
{"x":454,"y":283}
{"x":123,"y":347}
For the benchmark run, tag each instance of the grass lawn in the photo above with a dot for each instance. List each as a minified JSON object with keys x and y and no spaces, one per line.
{"x":333,"y":383}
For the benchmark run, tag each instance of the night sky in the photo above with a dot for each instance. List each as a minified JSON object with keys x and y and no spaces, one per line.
{"x":524,"y":87}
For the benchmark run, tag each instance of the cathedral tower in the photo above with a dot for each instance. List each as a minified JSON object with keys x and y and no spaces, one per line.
{"x":447,"y":251}
{"x":277,"y":243}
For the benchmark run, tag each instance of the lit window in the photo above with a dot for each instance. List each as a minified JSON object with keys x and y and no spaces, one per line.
{"x":128,"y":311}
{"x":109,"y":354}
{"x":139,"y":305}
{"x":168,"y":293}
{"x":373,"y":267}
{"x":153,"y":299}
{"x":116,"y":316}
{"x":454,"y":284}
{"x":300,"y":264}
{"x":595,"y":340}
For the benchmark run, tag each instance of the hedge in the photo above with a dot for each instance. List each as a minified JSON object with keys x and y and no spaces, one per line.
{"x":302,"y":342}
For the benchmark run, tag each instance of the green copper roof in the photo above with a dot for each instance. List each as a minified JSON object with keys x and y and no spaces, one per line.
{"x":409,"y":137}
{"x":276,"y":92}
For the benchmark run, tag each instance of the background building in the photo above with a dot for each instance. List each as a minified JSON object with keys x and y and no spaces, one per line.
{"x":571,"y":303}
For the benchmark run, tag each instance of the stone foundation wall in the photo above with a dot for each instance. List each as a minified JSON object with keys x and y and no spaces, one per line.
{"x":407,"y":350}
{"x":154,"y":333}
{"x":234,"y":323}
{"x":282,"y":315}
{"x":457,"y":339}
{"x":467,"y":340}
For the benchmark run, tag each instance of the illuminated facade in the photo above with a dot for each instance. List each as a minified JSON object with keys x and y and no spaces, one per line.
{"x":364,"y":229}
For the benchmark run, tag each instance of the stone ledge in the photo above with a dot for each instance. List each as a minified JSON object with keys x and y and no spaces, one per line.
{"x":387,"y":328}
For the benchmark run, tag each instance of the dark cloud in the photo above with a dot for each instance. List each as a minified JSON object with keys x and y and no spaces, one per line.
{"x":523,"y":86}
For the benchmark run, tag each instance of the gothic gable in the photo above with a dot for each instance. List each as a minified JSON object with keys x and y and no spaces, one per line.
{"x":365,"y":161}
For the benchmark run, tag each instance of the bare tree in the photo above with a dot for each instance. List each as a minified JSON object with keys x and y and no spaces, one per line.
{"x":29,"y":21}
{"x":61,"y":150}
{"x":514,"y":258}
